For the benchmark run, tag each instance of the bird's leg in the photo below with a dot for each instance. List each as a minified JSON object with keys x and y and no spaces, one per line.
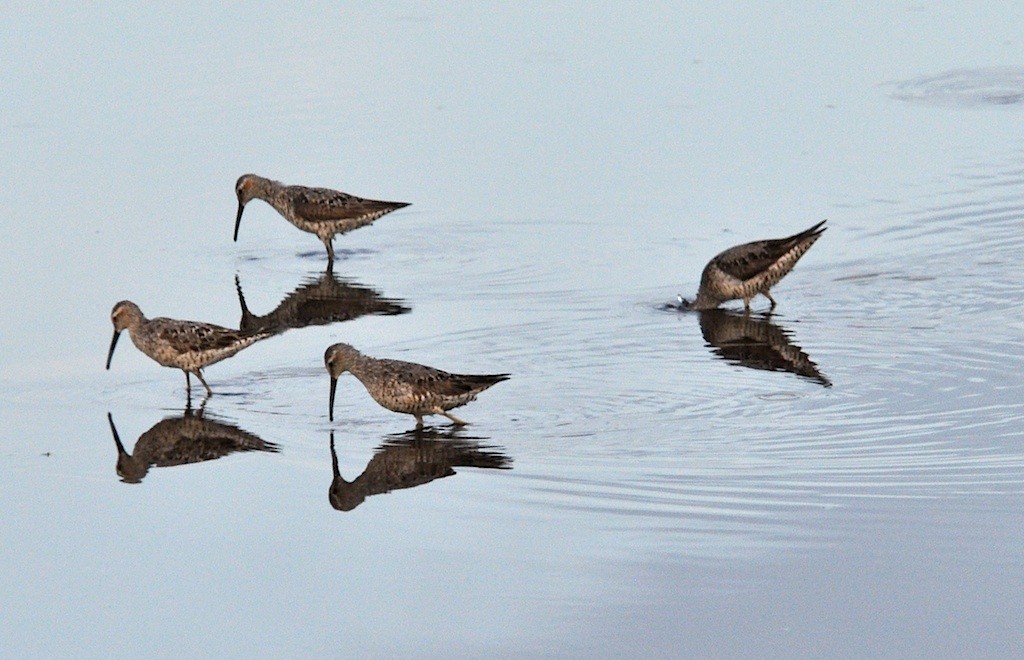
{"x":188,"y":385}
{"x":199,"y":375}
{"x":746,"y":305}
{"x":769,"y":297}
{"x":419,"y":421}
{"x":329,"y":244}
{"x":455,"y":420}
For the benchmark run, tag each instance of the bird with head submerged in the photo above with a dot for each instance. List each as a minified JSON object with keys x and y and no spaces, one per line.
{"x":743,"y":271}
{"x":406,"y":387}
{"x":186,"y":345}
{"x":319,"y":211}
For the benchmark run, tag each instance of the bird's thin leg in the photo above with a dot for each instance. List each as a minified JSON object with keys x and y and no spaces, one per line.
{"x":746,"y":305}
{"x":199,"y":375}
{"x":455,"y":420}
{"x":188,"y":385}
{"x":329,"y":244}
{"x":769,"y":297}
{"x":419,"y":421}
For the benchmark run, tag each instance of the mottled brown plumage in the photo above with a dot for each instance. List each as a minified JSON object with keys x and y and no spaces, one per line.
{"x":319,"y":301}
{"x":190,"y":438}
{"x":319,"y":211}
{"x":406,"y":387}
{"x":743,"y":271}
{"x":757,"y":343}
{"x":410,"y":460}
{"x":186,"y":345}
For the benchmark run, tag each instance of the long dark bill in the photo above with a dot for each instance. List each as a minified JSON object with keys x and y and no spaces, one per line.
{"x":330,"y":410}
{"x":238,"y":219}
{"x":113,"y":343}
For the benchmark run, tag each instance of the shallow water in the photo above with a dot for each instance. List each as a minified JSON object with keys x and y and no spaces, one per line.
{"x":649,"y":481}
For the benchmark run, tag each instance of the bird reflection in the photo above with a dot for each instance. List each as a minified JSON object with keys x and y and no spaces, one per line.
{"x":756,"y":342}
{"x":319,"y":300}
{"x":190,"y":438}
{"x":411,"y":459}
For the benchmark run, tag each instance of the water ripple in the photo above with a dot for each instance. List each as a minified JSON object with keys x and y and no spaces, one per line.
{"x":921,"y":339}
{"x":965,"y":88}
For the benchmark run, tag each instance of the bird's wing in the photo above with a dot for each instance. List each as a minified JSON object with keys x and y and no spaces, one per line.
{"x":324,"y":204}
{"x":420,"y":377}
{"x":750,"y":259}
{"x":194,"y":336}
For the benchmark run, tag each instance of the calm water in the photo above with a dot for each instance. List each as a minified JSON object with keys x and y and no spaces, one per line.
{"x":844,"y":477}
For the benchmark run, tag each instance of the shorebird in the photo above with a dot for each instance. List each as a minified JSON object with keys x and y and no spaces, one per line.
{"x":746,"y":270}
{"x":186,"y":345}
{"x":406,"y":387}
{"x":319,"y":211}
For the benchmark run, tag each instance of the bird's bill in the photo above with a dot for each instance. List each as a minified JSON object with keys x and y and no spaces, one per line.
{"x":330,"y":409}
{"x":113,"y":343}
{"x":238,"y":219}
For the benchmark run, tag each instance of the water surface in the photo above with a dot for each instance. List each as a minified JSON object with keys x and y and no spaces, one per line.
{"x":649,"y":481}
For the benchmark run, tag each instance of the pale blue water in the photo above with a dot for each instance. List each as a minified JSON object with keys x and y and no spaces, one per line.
{"x":571,"y":169}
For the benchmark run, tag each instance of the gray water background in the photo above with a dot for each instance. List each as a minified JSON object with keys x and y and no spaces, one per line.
{"x":571,"y":169}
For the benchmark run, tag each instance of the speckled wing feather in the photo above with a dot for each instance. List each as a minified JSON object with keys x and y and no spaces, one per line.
{"x":198,"y":337}
{"x":442,"y":383}
{"x":750,"y":259}
{"x":326,"y":205}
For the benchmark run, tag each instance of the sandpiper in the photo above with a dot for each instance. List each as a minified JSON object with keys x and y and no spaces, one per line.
{"x":406,"y":387}
{"x":319,"y":211}
{"x":186,"y":345}
{"x":746,"y":270}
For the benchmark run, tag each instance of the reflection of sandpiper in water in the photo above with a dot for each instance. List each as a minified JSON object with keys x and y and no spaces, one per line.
{"x":319,"y":211}
{"x":187,"y":345}
{"x":319,"y":301}
{"x":412,"y":459}
{"x":406,"y":387}
{"x":190,"y":438}
{"x":743,"y":271}
{"x":756,"y":342}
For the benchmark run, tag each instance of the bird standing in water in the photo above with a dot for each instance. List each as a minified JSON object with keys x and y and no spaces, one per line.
{"x":743,"y":271}
{"x":406,"y":387}
{"x":319,"y":211}
{"x":186,"y":345}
